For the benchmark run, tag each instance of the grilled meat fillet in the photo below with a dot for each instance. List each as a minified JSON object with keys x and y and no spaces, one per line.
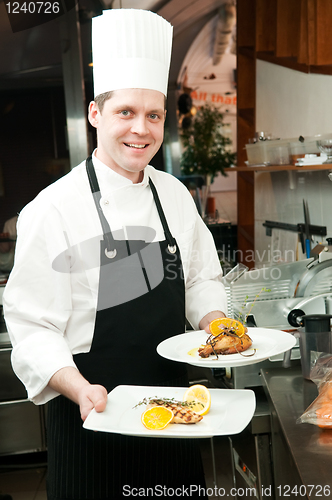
{"x":225,"y":344}
{"x":182,"y":414}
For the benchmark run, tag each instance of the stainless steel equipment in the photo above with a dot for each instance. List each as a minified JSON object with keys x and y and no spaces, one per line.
{"x":306,"y":286}
{"x":267,"y":295}
{"x":316,"y":337}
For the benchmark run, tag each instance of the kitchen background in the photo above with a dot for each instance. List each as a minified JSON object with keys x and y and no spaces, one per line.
{"x":289,"y":104}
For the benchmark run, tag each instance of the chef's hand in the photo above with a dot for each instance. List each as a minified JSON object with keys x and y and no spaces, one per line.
{"x":92,"y":396}
{"x":70,"y":383}
{"x":206,"y":320}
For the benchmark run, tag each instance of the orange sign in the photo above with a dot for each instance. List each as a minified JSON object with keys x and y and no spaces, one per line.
{"x":201,"y":96}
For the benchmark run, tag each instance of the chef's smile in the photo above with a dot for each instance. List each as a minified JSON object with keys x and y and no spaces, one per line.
{"x":136,"y":146}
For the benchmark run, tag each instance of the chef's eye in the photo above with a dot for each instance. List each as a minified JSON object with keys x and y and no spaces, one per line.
{"x":125,"y":112}
{"x":154,"y":116}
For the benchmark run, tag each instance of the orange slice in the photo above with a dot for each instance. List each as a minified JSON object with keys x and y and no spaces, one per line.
{"x":199,"y":398}
{"x":217,"y":326}
{"x":157,"y":418}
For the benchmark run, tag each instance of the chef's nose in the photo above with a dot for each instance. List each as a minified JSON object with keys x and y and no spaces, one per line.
{"x":140,"y":125}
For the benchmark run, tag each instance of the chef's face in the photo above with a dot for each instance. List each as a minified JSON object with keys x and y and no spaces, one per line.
{"x":130,"y":130}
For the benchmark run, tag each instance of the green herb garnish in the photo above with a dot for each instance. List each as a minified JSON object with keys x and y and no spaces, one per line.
{"x":165,"y":401}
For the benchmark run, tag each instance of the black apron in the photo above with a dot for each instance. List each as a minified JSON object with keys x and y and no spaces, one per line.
{"x":94,"y":465}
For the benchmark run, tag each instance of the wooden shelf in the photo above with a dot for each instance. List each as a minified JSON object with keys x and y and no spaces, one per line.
{"x":292,"y":63}
{"x":287,"y":62}
{"x":276,"y":168}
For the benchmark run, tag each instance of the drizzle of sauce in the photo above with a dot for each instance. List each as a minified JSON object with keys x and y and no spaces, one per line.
{"x":193,"y":352}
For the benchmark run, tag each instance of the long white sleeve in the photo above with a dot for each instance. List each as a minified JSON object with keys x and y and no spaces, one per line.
{"x":37,"y":301}
{"x":204,"y":289}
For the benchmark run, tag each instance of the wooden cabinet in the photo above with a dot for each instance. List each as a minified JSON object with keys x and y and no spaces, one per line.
{"x":290,"y":33}
{"x":295,"y":32}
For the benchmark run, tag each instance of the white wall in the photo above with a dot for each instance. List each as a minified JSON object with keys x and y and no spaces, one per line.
{"x":224,"y":183}
{"x":289,"y":104}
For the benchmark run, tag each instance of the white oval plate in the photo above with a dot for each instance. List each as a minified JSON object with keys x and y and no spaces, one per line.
{"x":266,"y":342}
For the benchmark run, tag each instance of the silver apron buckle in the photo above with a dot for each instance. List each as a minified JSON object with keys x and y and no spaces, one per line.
{"x":110,"y":254}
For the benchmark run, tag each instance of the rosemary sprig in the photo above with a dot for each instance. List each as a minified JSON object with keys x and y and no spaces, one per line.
{"x":165,"y":401}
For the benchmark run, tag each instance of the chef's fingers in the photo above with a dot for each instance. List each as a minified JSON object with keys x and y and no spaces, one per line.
{"x":206,"y":320}
{"x":95,"y":396}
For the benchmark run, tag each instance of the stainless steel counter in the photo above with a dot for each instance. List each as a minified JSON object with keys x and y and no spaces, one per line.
{"x":302,"y":453}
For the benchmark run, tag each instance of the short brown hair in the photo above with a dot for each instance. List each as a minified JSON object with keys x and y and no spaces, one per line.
{"x":100,"y":99}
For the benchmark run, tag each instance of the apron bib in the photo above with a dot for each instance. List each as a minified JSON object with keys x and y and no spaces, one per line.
{"x":141,"y":302}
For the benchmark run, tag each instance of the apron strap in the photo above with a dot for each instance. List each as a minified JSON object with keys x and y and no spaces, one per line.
{"x":168,"y":234}
{"x":95,"y":189}
{"x":108,"y":237}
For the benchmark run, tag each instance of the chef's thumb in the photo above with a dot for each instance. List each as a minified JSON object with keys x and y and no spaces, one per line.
{"x":101,"y":405}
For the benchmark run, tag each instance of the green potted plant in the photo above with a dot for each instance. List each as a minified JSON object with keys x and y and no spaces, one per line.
{"x":206,"y":149}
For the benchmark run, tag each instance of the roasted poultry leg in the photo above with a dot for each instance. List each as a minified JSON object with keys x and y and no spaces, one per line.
{"x":225,"y":344}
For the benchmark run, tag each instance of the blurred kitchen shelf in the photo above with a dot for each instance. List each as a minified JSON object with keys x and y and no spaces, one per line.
{"x":276,"y":168}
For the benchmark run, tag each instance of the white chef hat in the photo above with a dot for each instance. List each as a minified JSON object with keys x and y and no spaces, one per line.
{"x":131,"y":49}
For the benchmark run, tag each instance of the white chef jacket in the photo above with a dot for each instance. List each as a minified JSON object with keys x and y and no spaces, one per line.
{"x":50,"y":315}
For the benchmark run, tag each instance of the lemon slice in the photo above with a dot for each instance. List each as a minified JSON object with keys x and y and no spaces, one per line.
{"x":217,"y":326}
{"x":199,"y":399}
{"x":157,"y":418}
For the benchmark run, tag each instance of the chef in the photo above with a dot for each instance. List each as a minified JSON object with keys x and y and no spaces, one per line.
{"x":110,"y":260}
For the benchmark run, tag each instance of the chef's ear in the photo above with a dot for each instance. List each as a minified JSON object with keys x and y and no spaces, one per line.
{"x":93,"y":114}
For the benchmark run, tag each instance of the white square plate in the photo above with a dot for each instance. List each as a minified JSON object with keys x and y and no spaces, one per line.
{"x":231,"y":411}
